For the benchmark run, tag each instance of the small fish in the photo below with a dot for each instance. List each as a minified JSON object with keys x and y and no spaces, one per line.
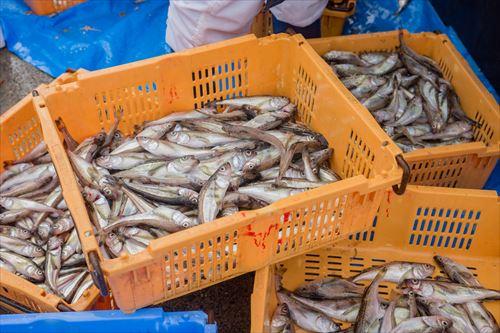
{"x":281,"y":318}
{"x":345,"y":310}
{"x":12,"y":203}
{"x":344,"y":57}
{"x":161,"y":217}
{"x":371,"y":310}
{"x":458,"y":317}
{"x":307,"y":319}
{"x":329,"y":288}
{"x":426,"y":324}
{"x":20,"y":246}
{"x":262,"y":103}
{"x":397,"y":271}
{"x":213,"y":192}
{"x":450,"y":292}
{"x":23,"y":265}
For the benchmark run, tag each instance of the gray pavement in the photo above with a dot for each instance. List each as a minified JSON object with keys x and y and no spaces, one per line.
{"x":17,"y":79}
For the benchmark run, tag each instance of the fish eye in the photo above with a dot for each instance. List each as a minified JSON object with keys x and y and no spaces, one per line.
{"x":185,"y":225}
{"x":248,"y":152}
{"x":428,"y":266}
{"x":411,"y":293}
{"x":251,"y":166}
{"x":117,"y":135}
{"x":223,"y":168}
{"x":444,"y":323}
{"x":414,"y":281}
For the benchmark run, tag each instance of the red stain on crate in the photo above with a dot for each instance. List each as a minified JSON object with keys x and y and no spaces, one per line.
{"x":172,"y":95}
{"x":259,"y":238}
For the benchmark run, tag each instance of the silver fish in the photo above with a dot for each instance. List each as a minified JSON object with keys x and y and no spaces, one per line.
{"x":338,"y":309}
{"x":450,"y":292}
{"x":329,"y":288}
{"x":22,"y":247}
{"x":213,"y":192}
{"x":306,"y":318}
{"x":427,"y":324}
{"x":344,"y":57}
{"x":23,"y":265}
{"x":397,"y":271}
{"x":371,"y":310}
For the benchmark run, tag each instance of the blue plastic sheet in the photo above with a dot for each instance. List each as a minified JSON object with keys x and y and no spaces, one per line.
{"x":93,"y":35}
{"x":151,"y":320}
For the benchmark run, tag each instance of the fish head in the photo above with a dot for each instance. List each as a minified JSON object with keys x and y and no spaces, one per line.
{"x":118,"y":136}
{"x":38,"y":251}
{"x":251,"y":165}
{"x":35,"y":273}
{"x":189,"y":222}
{"x":54,"y":242}
{"x":22,"y":233}
{"x":439,"y":322}
{"x":148,"y":143}
{"x":225,"y":170}
{"x":90,"y":194}
{"x":6,"y":202}
{"x":190,"y":195}
{"x":185,"y":163}
{"x":325,"y":324}
{"x":422,"y":271}
{"x":279,"y":102}
{"x":174,"y":136}
{"x":108,"y":161}
{"x":109,"y":187}
{"x":44,"y":230}
{"x":100,"y":137}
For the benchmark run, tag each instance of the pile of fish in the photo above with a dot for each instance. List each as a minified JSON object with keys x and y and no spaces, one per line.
{"x":407,"y":94}
{"x":38,"y":240}
{"x":192,"y":167}
{"x":418,"y":305}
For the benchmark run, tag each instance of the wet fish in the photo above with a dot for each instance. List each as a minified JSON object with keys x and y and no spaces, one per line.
{"x":213,"y":192}
{"x":397,"y":271}
{"x":329,"y":288}
{"x":450,"y":292}
{"x":306,"y":318}
{"x":427,"y":324}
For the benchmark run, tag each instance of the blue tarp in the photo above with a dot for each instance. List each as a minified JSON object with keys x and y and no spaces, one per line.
{"x":98,"y":34}
{"x":93,"y":35}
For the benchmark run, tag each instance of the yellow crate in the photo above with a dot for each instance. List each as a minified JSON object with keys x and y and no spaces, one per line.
{"x":21,"y":132}
{"x":466,"y":165}
{"x":213,"y":252}
{"x":334,"y":16}
{"x":425,"y":221}
{"x":47,"y":7}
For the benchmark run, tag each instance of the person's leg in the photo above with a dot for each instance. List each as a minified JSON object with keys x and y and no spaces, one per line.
{"x":311,"y":31}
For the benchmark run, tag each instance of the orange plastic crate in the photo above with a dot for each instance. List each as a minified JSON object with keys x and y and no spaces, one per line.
{"x":465,"y":165}
{"x":425,"y":221}
{"x":210,"y":253}
{"x":333,"y":20}
{"x":47,"y":7}
{"x":21,"y":132}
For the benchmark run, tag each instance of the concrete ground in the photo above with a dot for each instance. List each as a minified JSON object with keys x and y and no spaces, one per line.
{"x":229,"y":301}
{"x":17,"y":79}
